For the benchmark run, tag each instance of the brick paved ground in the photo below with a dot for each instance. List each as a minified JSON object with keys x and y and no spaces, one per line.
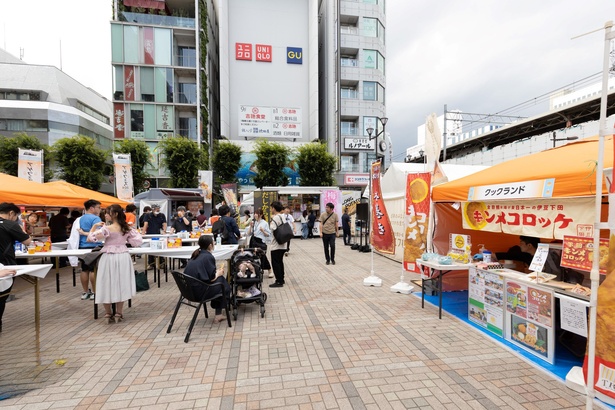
{"x":326,"y":342}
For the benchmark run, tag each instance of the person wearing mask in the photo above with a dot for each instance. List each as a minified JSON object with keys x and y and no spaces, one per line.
{"x":202,"y":266}
{"x":155,"y":223}
{"x":10,"y":231}
{"x":328,"y":232}
{"x":231,"y":226}
{"x":261,"y":235}
{"x":89,"y":219}
{"x":277,"y":249}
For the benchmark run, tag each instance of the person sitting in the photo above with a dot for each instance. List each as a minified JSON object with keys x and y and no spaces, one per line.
{"x":202,"y":266}
{"x":529,"y":244}
{"x":244,"y":267}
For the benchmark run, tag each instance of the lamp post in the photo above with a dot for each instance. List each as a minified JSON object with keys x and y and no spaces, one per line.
{"x":370,"y":131}
{"x":562,"y":139}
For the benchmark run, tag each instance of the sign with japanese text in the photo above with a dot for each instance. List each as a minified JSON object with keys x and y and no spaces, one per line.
{"x":381,"y":232}
{"x":294,"y":55}
{"x":123,"y":177}
{"x":243,"y":51}
{"x":335,"y":197}
{"x":148,"y":45}
{"x":129,"y":83}
{"x":540,"y":257}
{"x":206,"y":184}
{"x":164,"y":118}
{"x":514,"y":190}
{"x":460,"y":248}
{"x":356,"y":179}
{"x":547,"y":218}
{"x":578,"y":253}
{"x":118,"y":120}
{"x":417,"y":218}
{"x":274,"y":122}
{"x":263,"y":53}
{"x":30,"y":165}
{"x":363,"y":144}
{"x":486,"y":299}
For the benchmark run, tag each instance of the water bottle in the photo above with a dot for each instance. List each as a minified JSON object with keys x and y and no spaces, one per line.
{"x":18,"y":247}
{"x":218,"y":241}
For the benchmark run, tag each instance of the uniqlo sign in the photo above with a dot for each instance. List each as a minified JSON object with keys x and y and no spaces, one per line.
{"x":263,"y":53}
{"x":243,"y":51}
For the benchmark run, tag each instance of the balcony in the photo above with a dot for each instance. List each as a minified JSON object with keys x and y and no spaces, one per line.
{"x":156,"y":20}
{"x":185,"y":60}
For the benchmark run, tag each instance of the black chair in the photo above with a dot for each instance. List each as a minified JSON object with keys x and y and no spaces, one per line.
{"x":187,"y":286}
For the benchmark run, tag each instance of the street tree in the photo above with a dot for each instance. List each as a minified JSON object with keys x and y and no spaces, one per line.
{"x":226,"y":162}
{"x":9,"y":153}
{"x":271,"y":158}
{"x":183,"y":158}
{"x":140,"y":158}
{"x":316,"y":165}
{"x":80,"y":162}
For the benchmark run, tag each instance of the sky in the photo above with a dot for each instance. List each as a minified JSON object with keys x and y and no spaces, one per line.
{"x":478,"y":56}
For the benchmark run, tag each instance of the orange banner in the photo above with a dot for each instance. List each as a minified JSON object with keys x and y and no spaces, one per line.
{"x":381,"y":234}
{"x":578,"y":253}
{"x":417,"y":219}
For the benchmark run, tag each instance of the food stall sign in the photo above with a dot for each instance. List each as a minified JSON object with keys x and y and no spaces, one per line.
{"x":486,"y":300}
{"x":542,"y":188}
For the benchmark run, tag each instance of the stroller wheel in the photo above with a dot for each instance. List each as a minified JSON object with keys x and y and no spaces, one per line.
{"x":262,"y":311}
{"x":264,"y":296}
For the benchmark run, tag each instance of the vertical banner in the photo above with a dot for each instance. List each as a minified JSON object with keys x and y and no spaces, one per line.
{"x":30,"y":165}
{"x":123,"y":177}
{"x":118,"y":120}
{"x":129,"y":83}
{"x":148,"y":45}
{"x":206,"y":185}
{"x":229,"y":192}
{"x":267,"y":198}
{"x":381,"y":232}
{"x":335,"y":197}
{"x":417,"y":219}
{"x":433,"y":142}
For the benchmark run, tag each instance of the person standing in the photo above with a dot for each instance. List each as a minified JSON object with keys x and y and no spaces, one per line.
{"x":58,"y":227}
{"x":89,"y":219}
{"x":310,"y":224}
{"x":277,"y":249}
{"x":131,"y":215}
{"x":231,"y":226}
{"x":261,"y":235}
{"x":291,"y":221}
{"x":201,"y":218}
{"x":346,"y":226}
{"x":155,"y":223}
{"x":182,"y":222}
{"x":10,"y":231}
{"x":146,"y":211}
{"x":328,"y":231}
{"x":304,"y":225}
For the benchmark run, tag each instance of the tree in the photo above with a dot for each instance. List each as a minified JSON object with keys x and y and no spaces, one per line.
{"x":9,"y":153}
{"x":183,"y":158}
{"x":316,"y":165}
{"x":226,"y":162}
{"x":139,"y":156}
{"x":80,"y":162}
{"x":271,"y":158}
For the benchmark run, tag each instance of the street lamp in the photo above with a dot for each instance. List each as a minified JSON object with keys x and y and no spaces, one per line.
{"x":562,"y":139}
{"x":370,"y":131}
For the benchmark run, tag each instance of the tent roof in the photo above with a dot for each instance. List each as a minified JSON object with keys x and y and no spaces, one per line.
{"x":572,"y":165}
{"x":23,"y":192}
{"x":80,"y":194}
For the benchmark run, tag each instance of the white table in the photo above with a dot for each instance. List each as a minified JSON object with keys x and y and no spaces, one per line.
{"x":55,"y":253}
{"x":59,"y":245}
{"x":436,"y":272}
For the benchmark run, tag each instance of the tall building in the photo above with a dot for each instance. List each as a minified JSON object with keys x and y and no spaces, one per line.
{"x":159,"y":59}
{"x":352,"y":53}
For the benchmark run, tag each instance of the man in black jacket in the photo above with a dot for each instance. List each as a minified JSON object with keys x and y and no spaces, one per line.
{"x":231,"y":226}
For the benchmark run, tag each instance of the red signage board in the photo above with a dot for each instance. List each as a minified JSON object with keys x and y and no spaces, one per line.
{"x":263,"y":53}
{"x":578,"y":253}
{"x":148,"y":45}
{"x":243,"y":51}
{"x":118,"y":120}
{"x":129,"y":83}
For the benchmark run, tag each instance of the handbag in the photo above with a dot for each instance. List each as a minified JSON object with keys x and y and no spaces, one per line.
{"x":283,"y":233}
{"x":141,"y":281}
{"x":257,"y":243}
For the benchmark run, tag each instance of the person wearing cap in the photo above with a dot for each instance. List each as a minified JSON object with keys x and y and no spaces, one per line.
{"x":155,"y":222}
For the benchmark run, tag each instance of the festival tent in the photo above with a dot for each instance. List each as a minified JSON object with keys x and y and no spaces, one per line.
{"x":80,"y":194}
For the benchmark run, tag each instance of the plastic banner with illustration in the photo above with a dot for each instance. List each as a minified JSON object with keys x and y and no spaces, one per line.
{"x":417,"y":219}
{"x":206,"y":185}
{"x":123,"y":177}
{"x":543,"y":218}
{"x":30,"y":165}
{"x":382,"y":237}
{"x":333,"y":196}
{"x":229,"y":192}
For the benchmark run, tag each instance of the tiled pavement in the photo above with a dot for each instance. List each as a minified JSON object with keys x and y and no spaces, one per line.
{"x":326,"y":342}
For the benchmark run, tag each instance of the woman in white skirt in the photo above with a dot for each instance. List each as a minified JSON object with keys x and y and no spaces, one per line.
{"x":115,"y":279}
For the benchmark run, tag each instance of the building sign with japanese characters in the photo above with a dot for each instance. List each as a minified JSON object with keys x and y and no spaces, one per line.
{"x":272,"y":122}
{"x":363,"y":144}
{"x":118,"y":120}
{"x":164,"y":118}
{"x":578,"y":253}
{"x":515,"y":190}
{"x":123,"y":177}
{"x":544,"y":218}
{"x":243,"y":51}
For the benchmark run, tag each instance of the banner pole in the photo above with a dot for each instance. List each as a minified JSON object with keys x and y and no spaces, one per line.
{"x":401,"y":286}
{"x":372,"y":279}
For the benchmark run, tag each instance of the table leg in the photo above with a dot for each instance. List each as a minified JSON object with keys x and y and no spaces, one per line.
{"x":157,"y":269}
{"x":37,"y":305}
{"x":440,"y":295}
{"x":57,"y":274}
{"x":95,"y":305}
{"x":74,"y":277}
{"x":422,"y":291}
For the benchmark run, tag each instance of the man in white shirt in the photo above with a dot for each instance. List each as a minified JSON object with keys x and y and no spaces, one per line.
{"x":291,"y":221}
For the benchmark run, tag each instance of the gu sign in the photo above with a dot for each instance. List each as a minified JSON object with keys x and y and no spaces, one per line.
{"x":294,"y":55}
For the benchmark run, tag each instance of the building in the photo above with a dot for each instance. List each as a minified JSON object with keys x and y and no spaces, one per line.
{"x":45,"y":102}
{"x":165,"y":73}
{"x":352,"y":78}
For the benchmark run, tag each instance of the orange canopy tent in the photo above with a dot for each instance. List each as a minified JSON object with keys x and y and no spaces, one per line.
{"x":84,"y":194}
{"x":573,"y":166}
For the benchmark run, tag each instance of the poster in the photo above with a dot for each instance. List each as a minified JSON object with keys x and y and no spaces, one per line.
{"x":486,"y":300}
{"x":30,"y":165}
{"x":540,"y":257}
{"x":381,"y":232}
{"x":578,"y":253}
{"x":417,"y":219}
{"x":573,"y":315}
{"x":333,"y":196}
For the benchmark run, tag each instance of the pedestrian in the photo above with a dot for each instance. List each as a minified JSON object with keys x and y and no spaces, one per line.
{"x":131,"y":215}
{"x":201,"y":218}
{"x":291,"y":221}
{"x":58,"y":228}
{"x":346,"y":226}
{"x":154,"y":223}
{"x":310,"y":224}
{"x":304,"y":224}
{"x":146,"y":211}
{"x":115,"y":279}
{"x":10,"y":231}
{"x":261,"y":235}
{"x":231,"y":226}
{"x":277,"y":249}
{"x":328,"y":232}
{"x":89,"y":219}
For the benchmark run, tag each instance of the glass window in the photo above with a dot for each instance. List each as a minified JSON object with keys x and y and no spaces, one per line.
{"x":163,"y":79}
{"x":186,"y":57}
{"x":147,"y":83}
{"x":149,"y":121}
{"x":348,"y":128}
{"x":117,"y":43}
{"x":381,"y":32}
{"x":348,"y":92}
{"x":131,"y":44}
{"x":136,"y":118}
{"x":370,"y":1}
{"x":118,"y":82}
{"x":380,"y":93}
{"x":370,"y":122}
{"x":369,"y":27}
{"x":370,"y":60}
{"x":187,"y":93}
{"x":381,"y":63}
{"x":162,"y":46}
{"x":187,"y":128}
{"x":369,"y":90}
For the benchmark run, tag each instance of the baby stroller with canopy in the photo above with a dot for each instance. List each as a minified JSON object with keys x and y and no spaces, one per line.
{"x":247,"y":280}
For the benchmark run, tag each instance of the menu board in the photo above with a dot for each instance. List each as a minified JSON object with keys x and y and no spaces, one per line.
{"x":529,"y":318}
{"x":486,"y":299}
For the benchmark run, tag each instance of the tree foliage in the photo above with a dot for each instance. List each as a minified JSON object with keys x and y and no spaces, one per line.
{"x":140,"y":158}
{"x":9,"y":153}
{"x":226,"y":162}
{"x":271,"y":158}
{"x":316,"y":165}
{"x":80,"y":162}
{"x":183,"y":158}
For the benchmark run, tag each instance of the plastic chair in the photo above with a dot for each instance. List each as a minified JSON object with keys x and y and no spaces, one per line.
{"x":187,"y":287}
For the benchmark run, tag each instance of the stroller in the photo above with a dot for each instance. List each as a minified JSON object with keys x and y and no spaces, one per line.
{"x":247,"y":280}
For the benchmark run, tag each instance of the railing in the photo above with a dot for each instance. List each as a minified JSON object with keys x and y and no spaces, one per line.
{"x":185,"y":61}
{"x":354,"y":168}
{"x":349,"y":62}
{"x":154,"y":19}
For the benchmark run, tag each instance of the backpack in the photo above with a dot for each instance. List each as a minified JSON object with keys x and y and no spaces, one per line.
{"x":219,"y":228}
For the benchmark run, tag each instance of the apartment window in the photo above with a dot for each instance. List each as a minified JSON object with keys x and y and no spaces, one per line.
{"x":349,"y":92}
{"x":136,"y":118}
{"x":370,"y":27}
{"x":118,"y":82}
{"x":117,"y":43}
{"x":186,"y":57}
{"x":187,"y":128}
{"x":187,"y":93}
{"x":162,"y":46}
{"x":131,"y":44}
{"x":373,"y":59}
{"x":163,"y":78}
{"x":349,"y":62}
{"x":147,"y":84}
{"x":373,"y":91}
{"x":348,"y":127}
{"x":349,"y":29}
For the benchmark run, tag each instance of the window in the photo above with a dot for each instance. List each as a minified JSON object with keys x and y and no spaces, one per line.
{"x":186,"y":57}
{"x":147,"y":83}
{"x":20,"y":95}
{"x":348,"y":127}
{"x":92,"y":112}
{"x":369,"y":90}
{"x":349,"y":62}
{"x":118,"y":82}
{"x":372,"y":27}
{"x":117,"y":43}
{"x":187,"y":93}
{"x":373,"y":59}
{"x":187,"y":128}
{"x":349,"y":92}
{"x":24,"y":125}
{"x":131,"y":44}
{"x":162,"y":46}
{"x":163,"y":85}
{"x":136,"y":118}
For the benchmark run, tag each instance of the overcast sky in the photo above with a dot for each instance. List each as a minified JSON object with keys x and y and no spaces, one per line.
{"x":479,"y":56}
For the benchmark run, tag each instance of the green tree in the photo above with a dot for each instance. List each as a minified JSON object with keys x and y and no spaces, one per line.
{"x":9,"y":153}
{"x":226,"y":162}
{"x":80,"y":162}
{"x":139,"y":156}
{"x":183,"y":158}
{"x":316,"y":165}
{"x":271,"y":158}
